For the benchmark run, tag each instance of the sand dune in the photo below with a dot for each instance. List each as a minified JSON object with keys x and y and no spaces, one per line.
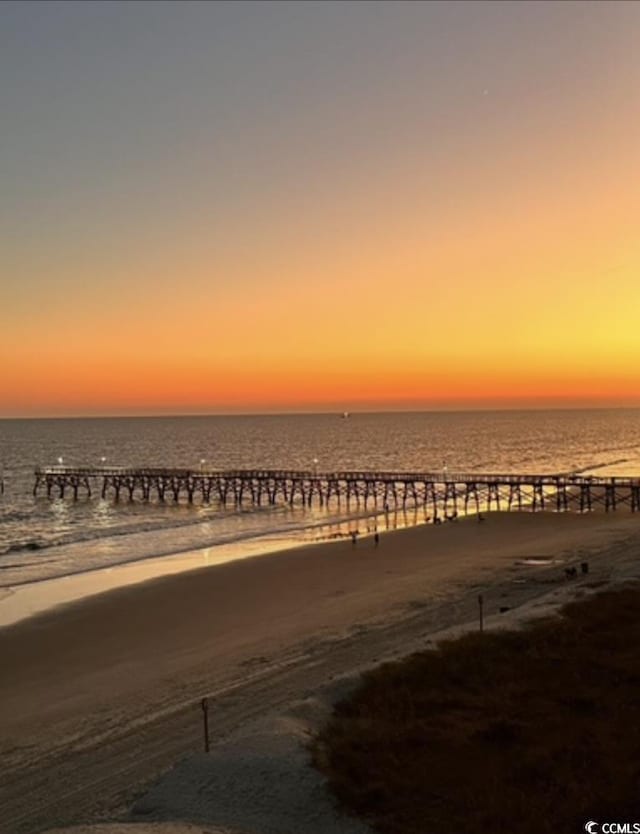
{"x":105,"y":691}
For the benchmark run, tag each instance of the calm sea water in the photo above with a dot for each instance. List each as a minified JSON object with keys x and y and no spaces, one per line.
{"x":42,"y":538}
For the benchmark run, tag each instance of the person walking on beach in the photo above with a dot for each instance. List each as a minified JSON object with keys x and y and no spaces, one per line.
{"x":354,"y":535}
{"x":376,"y":538}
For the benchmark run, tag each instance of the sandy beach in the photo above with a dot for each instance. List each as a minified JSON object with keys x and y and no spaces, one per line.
{"x":100,"y":696}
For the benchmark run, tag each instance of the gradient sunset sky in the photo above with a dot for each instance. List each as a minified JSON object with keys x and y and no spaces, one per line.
{"x":229,"y":207}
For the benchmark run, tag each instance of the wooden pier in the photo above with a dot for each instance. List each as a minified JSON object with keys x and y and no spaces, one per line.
{"x":443,"y":492}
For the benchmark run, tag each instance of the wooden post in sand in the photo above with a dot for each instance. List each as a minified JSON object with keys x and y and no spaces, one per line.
{"x":481,"y":607}
{"x":205,"y":715}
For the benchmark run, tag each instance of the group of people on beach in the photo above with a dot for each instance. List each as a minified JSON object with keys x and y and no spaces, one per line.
{"x":354,"y":537}
{"x":436,"y":520}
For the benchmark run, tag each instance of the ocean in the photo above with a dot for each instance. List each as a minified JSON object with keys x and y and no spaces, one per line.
{"x":43,"y":538}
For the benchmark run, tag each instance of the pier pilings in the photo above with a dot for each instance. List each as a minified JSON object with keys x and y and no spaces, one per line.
{"x":448,"y":493}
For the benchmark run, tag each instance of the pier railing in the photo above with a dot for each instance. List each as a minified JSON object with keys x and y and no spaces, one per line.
{"x":364,"y":474}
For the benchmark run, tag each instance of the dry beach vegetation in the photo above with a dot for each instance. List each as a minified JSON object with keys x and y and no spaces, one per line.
{"x":535,"y":730}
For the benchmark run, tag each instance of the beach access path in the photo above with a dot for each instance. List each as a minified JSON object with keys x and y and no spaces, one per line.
{"x":99,"y":697}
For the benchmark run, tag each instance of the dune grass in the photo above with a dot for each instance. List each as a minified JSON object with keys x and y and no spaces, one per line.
{"x":515,"y":732}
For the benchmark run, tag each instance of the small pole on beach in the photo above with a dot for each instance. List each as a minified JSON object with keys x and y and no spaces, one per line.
{"x":481,"y":607}
{"x":205,"y":715}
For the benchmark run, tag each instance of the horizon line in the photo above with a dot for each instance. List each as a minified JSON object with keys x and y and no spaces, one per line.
{"x":328,"y":412}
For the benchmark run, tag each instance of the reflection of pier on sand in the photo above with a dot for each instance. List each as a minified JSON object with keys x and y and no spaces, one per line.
{"x":445,"y":492}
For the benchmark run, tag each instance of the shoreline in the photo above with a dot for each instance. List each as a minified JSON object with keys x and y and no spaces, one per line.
{"x":99,"y":681}
{"x":20,"y":601}
{"x":289,"y":529}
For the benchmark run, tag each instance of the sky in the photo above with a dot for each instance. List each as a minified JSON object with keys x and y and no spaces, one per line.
{"x":259,"y":207}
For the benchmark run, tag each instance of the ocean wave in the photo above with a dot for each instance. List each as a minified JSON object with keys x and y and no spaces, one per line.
{"x":7,"y":515}
{"x":157,"y":547}
{"x":17,"y":547}
{"x":86,"y":534}
{"x":590,"y":467}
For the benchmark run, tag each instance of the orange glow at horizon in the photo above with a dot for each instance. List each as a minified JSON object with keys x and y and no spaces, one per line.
{"x":150,"y":388}
{"x":500,"y":322}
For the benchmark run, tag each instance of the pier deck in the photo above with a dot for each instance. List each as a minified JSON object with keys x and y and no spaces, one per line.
{"x":443,"y":491}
